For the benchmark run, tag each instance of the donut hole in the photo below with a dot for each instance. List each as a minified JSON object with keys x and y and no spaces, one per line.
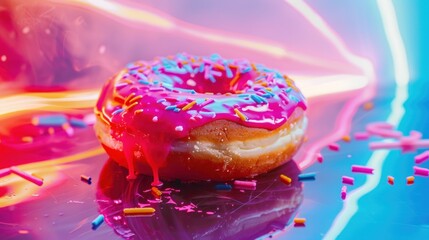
{"x":216,"y":85}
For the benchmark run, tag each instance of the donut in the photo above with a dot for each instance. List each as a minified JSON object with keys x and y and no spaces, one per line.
{"x":200,"y":118}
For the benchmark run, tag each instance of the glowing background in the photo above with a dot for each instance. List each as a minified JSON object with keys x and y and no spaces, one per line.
{"x":55,"y":55}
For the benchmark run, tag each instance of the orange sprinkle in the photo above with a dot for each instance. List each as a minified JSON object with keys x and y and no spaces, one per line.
{"x":189,"y":106}
{"x":138,"y":211}
{"x":368,"y":106}
{"x":264,"y":84}
{"x":235,"y":79}
{"x":253,"y":66}
{"x":299,"y":220}
{"x":136,"y":98}
{"x":390,"y":180}
{"x":129,"y":98}
{"x":156,"y":192}
{"x":132,"y":105}
{"x":127,"y":81}
{"x":410,"y":180}
{"x":240,"y":114}
{"x":138,"y":111}
{"x":239,"y":91}
{"x":27,"y":139}
{"x":285,"y":179}
{"x":220,"y":67}
{"x":51,"y":130}
{"x":305,"y":139}
{"x":346,"y":138}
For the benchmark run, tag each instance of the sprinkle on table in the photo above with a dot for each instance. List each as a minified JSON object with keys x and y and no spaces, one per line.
{"x":391,"y":180}
{"x":421,"y":157}
{"x":299,"y":222}
{"x":86,"y":179}
{"x":285,"y":179}
{"x":334,"y":147}
{"x":346,"y":138}
{"x":348,"y":180}
{"x":223,"y":187}
{"x":138,"y":211}
{"x":362,"y":169}
{"x":410,"y":180}
{"x":307,"y":176}
{"x":421,"y":171}
{"x":155,"y":191}
{"x":344,"y":192}
{"x":320,"y":157}
{"x":97,"y":222}
{"x":239,"y":183}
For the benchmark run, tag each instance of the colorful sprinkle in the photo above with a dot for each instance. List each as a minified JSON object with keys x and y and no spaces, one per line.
{"x":285,"y":179}
{"x":348,"y":180}
{"x":155,"y":119}
{"x":410,"y":180}
{"x":334,"y":147}
{"x":155,"y":191}
{"x":299,"y":220}
{"x":223,"y":187}
{"x":346,"y":138}
{"x":86,"y":179}
{"x":390,"y":180}
{"x":343,"y":192}
{"x":189,"y":106}
{"x":362,"y":169}
{"x":50,"y":120}
{"x":421,"y":157}
{"x":421,"y":171}
{"x":361,"y":135}
{"x":319,"y":157}
{"x":244,"y":183}
{"x":138,"y":211}
{"x":97,"y":222}
{"x":240,"y":114}
{"x":5,"y":172}
{"x":179,"y":128}
{"x":307,"y":177}
{"x":26,"y":176}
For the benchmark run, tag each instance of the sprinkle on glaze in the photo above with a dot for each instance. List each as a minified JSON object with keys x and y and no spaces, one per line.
{"x":154,"y":103}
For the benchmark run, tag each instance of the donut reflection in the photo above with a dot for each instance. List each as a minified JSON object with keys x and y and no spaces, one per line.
{"x":197,"y":210}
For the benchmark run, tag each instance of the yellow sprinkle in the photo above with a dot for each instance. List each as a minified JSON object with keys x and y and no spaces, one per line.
{"x":156,"y":192}
{"x":136,"y":98}
{"x":189,"y":106}
{"x":235,"y":79}
{"x":138,"y":211}
{"x":299,"y":220}
{"x":27,"y":139}
{"x":240,"y":114}
{"x":269,"y":89}
{"x":285,"y":179}
{"x":127,"y":81}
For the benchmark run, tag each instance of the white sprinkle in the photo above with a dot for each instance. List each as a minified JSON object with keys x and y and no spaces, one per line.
{"x":191,"y":83}
{"x":3,"y":58}
{"x":102,"y":49}
{"x":26,"y":30}
{"x":155,"y":119}
{"x":179,"y":129}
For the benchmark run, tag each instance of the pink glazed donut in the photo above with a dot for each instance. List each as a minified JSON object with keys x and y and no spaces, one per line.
{"x":200,"y":118}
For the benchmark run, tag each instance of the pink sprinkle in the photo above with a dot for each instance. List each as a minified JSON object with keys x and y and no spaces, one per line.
{"x":319,"y":157}
{"x":361,"y":135}
{"x":209,"y":213}
{"x":284,"y":98}
{"x":5,"y":172}
{"x":206,"y":72}
{"x":155,"y":119}
{"x":156,"y":89}
{"x":207,"y":102}
{"x":383,"y":129}
{"x":421,"y":157}
{"x":343,"y":192}
{"x":421,"y":171}
{"x":334,"y":147}
{"x":348,"y":180}
{"x":239,"y":183}
{"x":27,"y":176}
{"x":362,"y":169}
{"x":384,"y":145}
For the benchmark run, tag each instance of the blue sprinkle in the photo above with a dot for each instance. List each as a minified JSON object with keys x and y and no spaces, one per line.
{"x":266,"y":95}
{"x":307,"y":177}
{"x":208,"y":114}
{"x":293,"y":98}
{"x":168,"y":86}
{"x":201,"y":67}
{"x":223,"y":187}
{"x":214,"y":57}
{"x":247,"y":69}
{"x":143,"y":82}
{"x":188,"y":68}
{"x":256,"y":98}
{"x":97,"y":222}
{"x":78,"y":123}
{"x":175,"y":70}
{"x":52,"y":120}
{"x":176,"y":109}
{"x":288,"y":89}
{"x":212,"y":79}
{"x":243,"y":95}
{"x":141,"y":76}
{"x":165,"y":79}
{"x":177,"y":79}
{"x":117,"y":111}
{"x":161,"y":100}
{"x":200,"y":100}
{"x":171,"y":107}
{"x":228,"y":71}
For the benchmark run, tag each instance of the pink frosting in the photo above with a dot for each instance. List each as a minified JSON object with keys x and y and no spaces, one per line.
{"x":165,"y":99}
